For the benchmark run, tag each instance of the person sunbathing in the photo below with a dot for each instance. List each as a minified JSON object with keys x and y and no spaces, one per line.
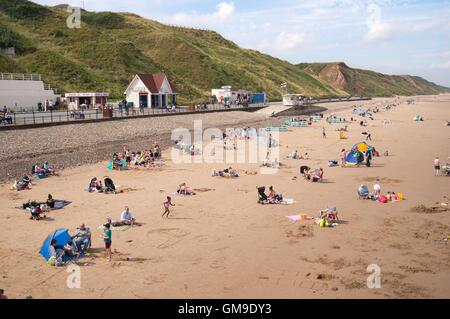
{"x":183,"y":189}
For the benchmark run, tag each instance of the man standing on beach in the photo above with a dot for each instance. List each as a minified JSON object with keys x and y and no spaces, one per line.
{"x":324,"y":135}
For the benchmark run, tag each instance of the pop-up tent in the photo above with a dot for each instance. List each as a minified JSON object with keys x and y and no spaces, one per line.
{"x":121,"y":163}
{"x":357,"y":153}
{"x":62,"y":237}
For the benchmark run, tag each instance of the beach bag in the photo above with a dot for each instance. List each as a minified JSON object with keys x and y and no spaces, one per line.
{"x":328,"y":223}
{"x":400,"y":196}
{"x":322,"y":223}
{"x":383,"y":199}
{"x":51,"y":261}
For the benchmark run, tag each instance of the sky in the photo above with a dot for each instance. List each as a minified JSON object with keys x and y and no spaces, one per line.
{"x":388,"y":36}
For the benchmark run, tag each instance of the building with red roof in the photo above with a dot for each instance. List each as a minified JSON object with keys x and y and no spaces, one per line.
{"x":151,"y":91}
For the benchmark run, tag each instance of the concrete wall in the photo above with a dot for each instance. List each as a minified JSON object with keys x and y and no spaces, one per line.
{"x":27,"y":94}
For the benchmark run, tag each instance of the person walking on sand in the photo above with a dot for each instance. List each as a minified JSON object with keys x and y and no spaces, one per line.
{"x":107,"y":240}
{"x":343,"y":157}
{"x":167,"y":206}
{"x":437,"y":166}
{"x":324,"y":135}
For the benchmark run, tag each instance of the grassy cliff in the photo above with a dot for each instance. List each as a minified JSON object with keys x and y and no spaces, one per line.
{"x":109,"y":48}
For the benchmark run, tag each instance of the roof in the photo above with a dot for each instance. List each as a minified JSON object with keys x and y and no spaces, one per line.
{"x":153,"y":82}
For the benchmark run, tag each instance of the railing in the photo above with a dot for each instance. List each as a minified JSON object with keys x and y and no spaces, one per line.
{"x":20,"y":76}
{"x":54,"y":116}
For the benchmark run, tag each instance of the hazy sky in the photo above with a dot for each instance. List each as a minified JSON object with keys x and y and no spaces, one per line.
{"x":389,"y":36}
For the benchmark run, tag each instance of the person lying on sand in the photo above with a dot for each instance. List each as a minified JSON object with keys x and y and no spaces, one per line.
{"x":183,"y":189}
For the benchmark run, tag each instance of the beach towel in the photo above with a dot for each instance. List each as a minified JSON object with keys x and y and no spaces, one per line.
{"x":178,"y":194}
{"x":119,"y":228}
{"x":59,"y":204}
{"x":298,"y":217}
{"x":287,"y":201}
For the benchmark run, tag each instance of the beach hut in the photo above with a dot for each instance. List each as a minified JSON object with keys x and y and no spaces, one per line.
{"x":78,"y":101}
{"x":151,"y":91}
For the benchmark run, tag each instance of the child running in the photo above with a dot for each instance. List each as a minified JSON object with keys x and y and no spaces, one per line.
{"x":167,"y":206}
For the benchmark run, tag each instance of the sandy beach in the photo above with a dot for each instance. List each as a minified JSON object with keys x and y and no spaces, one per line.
{"x":221,"y":243}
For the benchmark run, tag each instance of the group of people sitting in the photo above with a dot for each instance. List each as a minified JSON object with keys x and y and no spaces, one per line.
{"x":5,"y":118}
{"x":145,"y":158}
{"x":297,"y":155}
{"x":226,"y":172}
{"x":36,"y":209}
{"x":316,"y":176}
{"x":21,"y":185}
{"x":97,"y":186}
{"x":45,"y":169}
{"x":363,"y":192}
{"x":273,"y":197}
{"x":82,"y":240}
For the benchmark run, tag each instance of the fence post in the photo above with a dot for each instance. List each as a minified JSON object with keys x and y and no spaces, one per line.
{"x":67,"y":114}
{"x":96,"y":114}
{"x":34,"y":122}
{"x":14,"y":118}
{"x":51,"y":115}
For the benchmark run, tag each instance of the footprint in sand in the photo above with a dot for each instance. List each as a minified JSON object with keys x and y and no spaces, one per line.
{"x":218,"y":263}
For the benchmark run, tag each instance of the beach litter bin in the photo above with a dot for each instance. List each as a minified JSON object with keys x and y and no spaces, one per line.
{"x":107,"y":112}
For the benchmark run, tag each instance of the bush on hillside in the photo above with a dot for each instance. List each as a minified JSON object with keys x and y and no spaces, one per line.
{"x":107,"y":20}
{"x":23,"y":9}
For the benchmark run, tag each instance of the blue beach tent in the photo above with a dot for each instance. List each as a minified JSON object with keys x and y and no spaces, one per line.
{"x":122,"y":163}
{"x":352,"y":158}
{"x":62,"y":237}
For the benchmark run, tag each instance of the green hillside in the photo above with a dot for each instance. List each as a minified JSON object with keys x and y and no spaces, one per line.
{"x":109,"y":48}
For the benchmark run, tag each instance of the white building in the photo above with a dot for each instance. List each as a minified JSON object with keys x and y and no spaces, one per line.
{"x":80,"y":100}
{"x":228,"y":93}
{"x":151,"y":90}
{"x":25,"y":90}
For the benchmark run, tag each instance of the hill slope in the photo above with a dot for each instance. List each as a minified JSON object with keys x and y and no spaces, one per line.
{"x":370,"y":83}
{"x":109,"y":48}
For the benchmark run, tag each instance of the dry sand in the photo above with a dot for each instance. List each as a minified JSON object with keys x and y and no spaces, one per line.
{"x":222,"y":244}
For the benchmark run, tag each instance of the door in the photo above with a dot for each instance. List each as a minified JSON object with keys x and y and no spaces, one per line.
{"x":143,"y":100}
